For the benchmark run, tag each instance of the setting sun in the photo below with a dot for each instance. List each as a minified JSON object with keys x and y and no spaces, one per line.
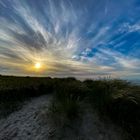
{"x":37,"y":65}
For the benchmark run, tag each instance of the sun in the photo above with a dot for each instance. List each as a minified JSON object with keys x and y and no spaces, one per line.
{"x":37,"y":65}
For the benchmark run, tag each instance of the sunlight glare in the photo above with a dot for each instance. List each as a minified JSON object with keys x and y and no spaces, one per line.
{"x":37,"y":65}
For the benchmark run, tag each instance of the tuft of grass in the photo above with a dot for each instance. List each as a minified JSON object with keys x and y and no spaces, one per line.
{"x":118,"y":100}
{"x":7,"y":108}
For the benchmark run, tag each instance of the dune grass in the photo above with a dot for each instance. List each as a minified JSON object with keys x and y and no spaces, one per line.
{"x":117,"y":99}
{"x":15,"y":90}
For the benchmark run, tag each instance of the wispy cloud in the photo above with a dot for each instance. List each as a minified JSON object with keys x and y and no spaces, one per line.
{"x":69,"y":38}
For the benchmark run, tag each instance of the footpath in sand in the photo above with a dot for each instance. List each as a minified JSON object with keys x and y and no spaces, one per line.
{"x":26,"y":124}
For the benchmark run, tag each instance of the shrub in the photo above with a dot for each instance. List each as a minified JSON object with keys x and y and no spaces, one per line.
{"x":119,"y":100}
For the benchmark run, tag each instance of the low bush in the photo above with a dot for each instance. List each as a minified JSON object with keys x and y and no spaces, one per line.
{"x":118,"y":100}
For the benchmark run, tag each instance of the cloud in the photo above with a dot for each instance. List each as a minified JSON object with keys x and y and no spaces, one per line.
{"x":69,"y":38}
{"x":127,"y":27}
{"x":121,"y":61}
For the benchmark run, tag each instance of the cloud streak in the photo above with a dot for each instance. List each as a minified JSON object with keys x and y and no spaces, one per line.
{"x":69,"y":38}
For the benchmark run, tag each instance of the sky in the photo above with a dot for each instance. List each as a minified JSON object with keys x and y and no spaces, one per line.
{"x":76,"y":38}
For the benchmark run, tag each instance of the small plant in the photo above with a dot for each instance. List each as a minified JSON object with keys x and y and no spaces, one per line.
{"x":66,"y":108}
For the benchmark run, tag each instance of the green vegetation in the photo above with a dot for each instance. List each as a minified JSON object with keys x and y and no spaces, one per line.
{"x":119,"y":100}
{"x":15,"y":90}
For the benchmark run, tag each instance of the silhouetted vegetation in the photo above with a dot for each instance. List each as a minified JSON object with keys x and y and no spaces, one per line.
{"x":15,"y":90}
{"x":117,"y":99}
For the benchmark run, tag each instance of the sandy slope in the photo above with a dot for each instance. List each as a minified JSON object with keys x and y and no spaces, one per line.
{"x":26,"y":124}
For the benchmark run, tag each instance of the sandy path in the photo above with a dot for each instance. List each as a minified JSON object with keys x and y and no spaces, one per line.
{"x":26,"y":124}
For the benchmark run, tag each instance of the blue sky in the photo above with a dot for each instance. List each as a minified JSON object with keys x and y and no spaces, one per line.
{"x":82,"y":38}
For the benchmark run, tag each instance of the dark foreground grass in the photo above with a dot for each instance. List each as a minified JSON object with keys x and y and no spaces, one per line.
{"x":116,"y":99}
{"x":15,"y":90}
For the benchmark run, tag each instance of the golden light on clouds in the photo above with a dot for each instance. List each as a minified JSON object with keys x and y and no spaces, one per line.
{"x":37,"y":65}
